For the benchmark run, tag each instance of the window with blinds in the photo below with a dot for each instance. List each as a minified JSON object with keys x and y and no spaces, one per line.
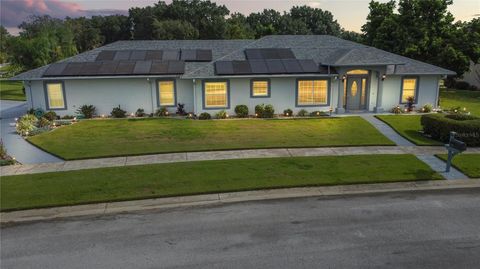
{"x":55,"y":96}
{"x":166,"y":92}
{"x":216,"y":94}
{"x":312,"y":92}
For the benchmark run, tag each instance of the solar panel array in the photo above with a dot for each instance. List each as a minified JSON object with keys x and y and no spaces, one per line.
{"x":187,"y":55}
{"x":270,"y":53}
{"x":115,"y":68}
{"x":276,"y":66}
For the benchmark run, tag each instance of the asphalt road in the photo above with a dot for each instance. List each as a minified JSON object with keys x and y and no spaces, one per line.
{"x":438,"y":229}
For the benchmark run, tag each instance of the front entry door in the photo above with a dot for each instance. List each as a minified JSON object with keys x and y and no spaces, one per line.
{"x":356,"y":89}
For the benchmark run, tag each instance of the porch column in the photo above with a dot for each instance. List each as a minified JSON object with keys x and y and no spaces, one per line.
{"x":378,"y":106}
{"x":339,"y":109}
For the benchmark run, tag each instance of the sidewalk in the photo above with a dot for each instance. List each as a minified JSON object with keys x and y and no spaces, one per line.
{"x":216,"y":155}
{"x":223,"y":198}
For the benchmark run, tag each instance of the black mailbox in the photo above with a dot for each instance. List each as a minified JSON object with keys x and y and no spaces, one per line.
{"x":454,"y":147}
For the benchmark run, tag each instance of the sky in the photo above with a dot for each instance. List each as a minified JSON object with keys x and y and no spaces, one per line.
{"x":350,"y":14}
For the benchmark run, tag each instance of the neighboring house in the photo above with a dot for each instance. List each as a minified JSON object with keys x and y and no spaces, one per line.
{"x":312,"y":72}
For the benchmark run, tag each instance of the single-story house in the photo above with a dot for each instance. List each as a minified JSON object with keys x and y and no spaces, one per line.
{"x":312,"y":72}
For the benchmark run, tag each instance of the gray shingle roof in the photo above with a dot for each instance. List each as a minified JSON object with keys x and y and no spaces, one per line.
{"x":323,"y":49}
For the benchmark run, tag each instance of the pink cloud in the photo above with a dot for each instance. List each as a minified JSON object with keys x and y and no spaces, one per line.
{"x":14,"y":12}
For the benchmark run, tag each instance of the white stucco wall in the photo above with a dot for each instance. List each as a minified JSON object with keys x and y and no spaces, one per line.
{"x":427,"y":91}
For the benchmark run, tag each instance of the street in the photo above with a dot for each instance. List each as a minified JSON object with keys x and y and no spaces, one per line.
{"x":435,"y":229}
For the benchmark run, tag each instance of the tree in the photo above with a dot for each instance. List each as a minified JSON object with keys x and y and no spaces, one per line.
{"x":265,"y":23}
{"x":352,"y":36}
{"x":377,"y":19}
{"x":87,"y":35}
{"x":174,"y":29}
{"x":238,"y":28}
{"x":5,"y":37}
{"x":318,"y":22}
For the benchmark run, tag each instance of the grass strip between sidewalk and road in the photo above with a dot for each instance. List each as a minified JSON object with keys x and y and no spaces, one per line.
{"x":126,"y":137}
{"x":11,"y":90}
{"x":469,"y":164}
{"x":409,"y":127}
{"x":188,"y":178}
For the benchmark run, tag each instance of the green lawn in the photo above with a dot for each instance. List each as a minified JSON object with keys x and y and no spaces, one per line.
{"x":408,"y":126}
{"x":469,"y":164}
{"x":187,"y":178}
{"x":102,"y":138}
{"x":461,"y":98}
{"x":11,"y":90}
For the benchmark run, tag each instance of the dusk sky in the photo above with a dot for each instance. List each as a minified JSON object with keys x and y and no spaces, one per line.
{"x":350,"y":14}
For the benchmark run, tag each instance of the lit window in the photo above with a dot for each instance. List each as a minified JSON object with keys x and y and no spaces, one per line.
{"x":364,"y":87}
{"x":216,"y":94}
{"x":312,"y":92}
{"x":354,"y":88}
{"x":166,"y":93}
{"x":358,"y":72}
{"x":409,"y":88}
{"x":55,"y":95}
{"x":260,"y":88}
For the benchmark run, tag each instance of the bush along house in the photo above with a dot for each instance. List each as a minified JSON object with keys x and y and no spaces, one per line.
{"x":310,"y":72}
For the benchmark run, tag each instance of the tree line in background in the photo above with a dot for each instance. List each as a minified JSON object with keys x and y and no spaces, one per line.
{"x":420,"y":29}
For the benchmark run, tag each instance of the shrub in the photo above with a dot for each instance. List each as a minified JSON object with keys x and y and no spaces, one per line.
{"x":68,"y":117}
{"x":191,"y":116}
{"x":38,"y":131}
{"x":397,"y":110}
{"x":204,"y":116}
{"x":42,"y":122}
{"x":117,"y":112}
{"x":50,"y":115}
{"x":462,"y":85}
{"x":222,"y":114}
{"x":288,"y":112}
{"x":259,"y":110}
{"x":26,"y":124}
{"x":181,"y":109}
{"x":410,"y":102}
{"x":427,"y":108}
{"x":63,"y":122}
{"x":88,"y":111}
{"x":161,"y":112}
{"x":268,"y":112}
{"x":458,"y":110}
{"x":140,"y":112}
{"x":241,"y":111}
{"x":318,"y":114}
{"x":439,"y":126}
{"x":302,"y":113}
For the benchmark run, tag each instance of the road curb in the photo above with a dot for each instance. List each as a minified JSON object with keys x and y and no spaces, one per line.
{"x":99,"y":209}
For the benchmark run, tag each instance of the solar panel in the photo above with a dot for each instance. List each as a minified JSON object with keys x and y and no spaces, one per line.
{"x":159,"y":67}
{"x":122,"y":55}
{"x":285,"y":54}
{"x":269,"y":53}
{"x":105,"y":55}
{"x":292,"y":66}
{"x":55,"y":70}
{"x":223,"y":68}
{"x":308,"y":66}
{"x":176,"y":67}
{"x":253,"y":54}
{"x":275,"y":66}
{"x":108,"y":68}
{"x":138,"y":55}
{"x":154,"y":55}
{"x":258,"y":67}
{"x":169,"y":55}
{"x":241,"y":67}
{"x":142,"y":67}
{"x":189,"y":55}
{"x":72,"y":69}
{"x":125,"y":68}
{"x":204,"y":55}
{"x":90,"y":68}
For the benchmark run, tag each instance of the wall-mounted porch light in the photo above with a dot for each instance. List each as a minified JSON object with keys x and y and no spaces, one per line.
{"x":344,"y":78}
{"x":384,"y":77}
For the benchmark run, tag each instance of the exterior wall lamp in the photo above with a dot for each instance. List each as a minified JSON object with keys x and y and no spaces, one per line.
{"x":343,"y":78}
{"x":384,"y":77}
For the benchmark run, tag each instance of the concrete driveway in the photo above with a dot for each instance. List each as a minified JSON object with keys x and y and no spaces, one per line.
{"x":434,"y":229}
{"x":16,"y":146}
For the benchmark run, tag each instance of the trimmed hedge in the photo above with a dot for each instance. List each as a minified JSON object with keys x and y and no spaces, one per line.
{"x":439,"y":126}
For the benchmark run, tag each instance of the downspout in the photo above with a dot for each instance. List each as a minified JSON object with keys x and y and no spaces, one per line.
{"x":194,"y":97}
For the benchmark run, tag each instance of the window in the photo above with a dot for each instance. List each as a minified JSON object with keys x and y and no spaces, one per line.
{"x":216,"y":94}
{"x":358,"y":72}
{"x":312,"y":92}
{"x":354,"y":88}
{"x":364,"y":87}
{"x":260,"y":88}
{"x":409,"y":88}
{"x":55,"y":95}
{"x":166,"y":93}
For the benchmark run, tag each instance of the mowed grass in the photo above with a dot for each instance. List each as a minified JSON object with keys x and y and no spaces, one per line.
{"x":408,"y":126}
{"x":469,"y":164}
{"x":188,"y":178}
{"x":461,"y":98}
{"x":103,"y":138}
{"x":11,"y":90}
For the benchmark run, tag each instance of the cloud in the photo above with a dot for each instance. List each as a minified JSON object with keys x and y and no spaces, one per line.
{"x":14,"y":12}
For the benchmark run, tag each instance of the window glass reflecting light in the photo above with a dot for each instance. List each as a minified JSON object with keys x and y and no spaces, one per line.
{"x":167,"y":93}
{"x":312,"y":92}
{"x":260,"y":88}
{"x":55,"y":95}
{"x":408,"y":90}
{"x":216,"y":94}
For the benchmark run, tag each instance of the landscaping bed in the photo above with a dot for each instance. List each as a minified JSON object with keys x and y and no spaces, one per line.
{"x":469,"y":164}
{"x":452,"y":98}
{"x":188,"y":178}
{"x":121,"y":137}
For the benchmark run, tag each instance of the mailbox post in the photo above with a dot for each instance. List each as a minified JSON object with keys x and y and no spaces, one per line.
{"x":454,"y":147}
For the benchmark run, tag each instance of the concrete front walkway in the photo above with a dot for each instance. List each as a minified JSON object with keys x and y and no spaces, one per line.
{"x":16,"y":146}
{"x":217,"y":155}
